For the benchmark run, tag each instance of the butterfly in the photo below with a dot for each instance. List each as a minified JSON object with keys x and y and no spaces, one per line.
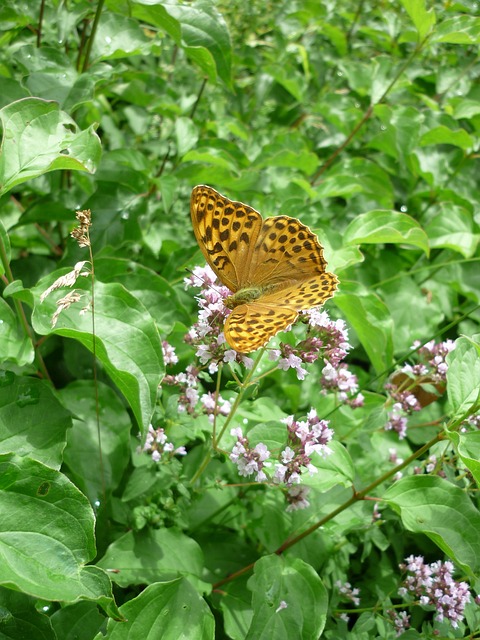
{"x":274,"y":266}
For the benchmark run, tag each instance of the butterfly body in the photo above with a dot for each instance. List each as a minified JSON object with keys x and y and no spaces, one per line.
{"x":274,"y":266}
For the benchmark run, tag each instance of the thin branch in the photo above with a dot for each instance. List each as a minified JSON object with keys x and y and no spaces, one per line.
{"x":93,"y":32}
{"x":356,"y":497}
{"x":40,"y":23}
{"x":194,"y":108}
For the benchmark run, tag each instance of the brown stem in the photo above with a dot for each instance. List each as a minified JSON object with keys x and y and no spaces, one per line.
{"x":194,"y":108}
{"x":40,"y":23}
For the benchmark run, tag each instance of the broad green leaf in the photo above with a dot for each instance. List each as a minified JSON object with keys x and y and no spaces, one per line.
{"x":15,"y":346}
{"x":394,"y":227}
{"x":272,"y":156}
{"x":37,"y":138}
{"x":464,"y":108}
{"x":186,"y":134}
{"x":288,"y":598}
{"x":458,"y":30}
{"x":338,"y":186}
{"x":444,"y":135}
{"x":422,"y":18}
{"x":400,"y":300}
{"x":154,"y":555}
{"x":167,"y":610}
{"x":452,"y":228}
{"x":51,"y":76}
{"x":358,"y":175}
{"x":214,"y":157}
{"x":373,"y":325}
{"x":79,"y":621}
{"x":83,"y":439}
{"x":32,"y":421}
{"x":336,"y":468}
{"x":198,"y":28}
{"x":236,"y":607}
{"x":468,"y":448}
{"x":401,"y":128}
{"x":337,"y":36}
{"x":382,"y":72}
{"x":126,"y":342}
{"x":443,"y":512}
{"x":118,"y":37}
{"x":47,"y":535}
{"x":153,"y":291}
{"x":462,"y":378}
{"x":289,"y":78}
{"x":21,"y":618}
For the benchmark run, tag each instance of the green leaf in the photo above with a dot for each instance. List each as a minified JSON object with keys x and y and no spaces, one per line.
{"x":37,"y":138}
{"x":458,"y":30}
{"x":15,"y":346}
{"x":32,"y":420}
{"x":393,"y":227}
{"x":373,"y":325}
{"x":272,"y":156}
{"x":186,"y":134}
{"x":47,"y":535}
{"x":199,"y":29}
{"x":336,"y":468}
{"x":153,"y":291}
{"x":464,"y":108}
{"x":443,"y":512}
{"x":83,"y":440}
{"x":289,"y":78}
{"x":188,"y":615}
{"x":214,"y":157}
{"x":452,"y":228}
{"x":462,"y":378}
{"x":288,"y":598}
{"x":422,"y":19}
{"x":79,"y":621}
{"x":444,"y":135}
{"x":51,"y":76}
{"x":154,"y":556}
{"x":21,"y":618}
{"x":126,"y":343}
{"x":411,"y":326}
{"x":118,"y":37}
{"x":468,"y":448}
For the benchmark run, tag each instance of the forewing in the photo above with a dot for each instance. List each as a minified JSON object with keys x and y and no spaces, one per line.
{"x":250,"y":326}
{"x":226,"y":232}
{"x":305,"y":294}
{"x":285,"y":249}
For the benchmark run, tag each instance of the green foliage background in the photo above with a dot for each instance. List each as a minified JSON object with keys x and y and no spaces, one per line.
{"x":363,"y":120}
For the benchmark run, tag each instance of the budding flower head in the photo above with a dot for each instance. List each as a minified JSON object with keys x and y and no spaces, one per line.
{"x":82,"y":233}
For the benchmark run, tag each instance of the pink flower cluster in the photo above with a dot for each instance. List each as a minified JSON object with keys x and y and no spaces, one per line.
{"x":189,"y":400}
{"x":207,"y":335}
{"x":349,"y":593}
{"x":433,"y":585}
{"x":304,"y":439}
{"x":400,"y":620}
{"x":187,"y":381}
{"x":249,"y":461}
{"x":406,"y":385}
{"x":215,"y":405}
{"x":157,"y":445}
{"x":328,"y":340}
